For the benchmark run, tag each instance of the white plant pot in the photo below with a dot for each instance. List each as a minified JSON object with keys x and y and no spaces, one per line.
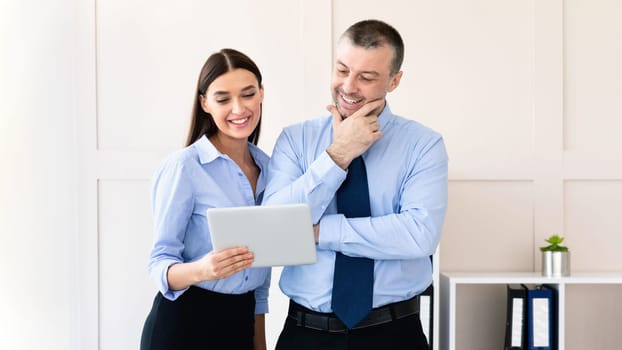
{"x":555,"y":264}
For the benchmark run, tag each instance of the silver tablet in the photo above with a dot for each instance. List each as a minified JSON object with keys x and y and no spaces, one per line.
{"x":277,"y":235}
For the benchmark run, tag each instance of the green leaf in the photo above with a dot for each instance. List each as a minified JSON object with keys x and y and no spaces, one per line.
{"x":554,"y":244}
{"x":555,"y":239}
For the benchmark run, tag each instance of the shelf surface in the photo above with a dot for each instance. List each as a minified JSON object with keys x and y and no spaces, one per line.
{"x":532,"y":277}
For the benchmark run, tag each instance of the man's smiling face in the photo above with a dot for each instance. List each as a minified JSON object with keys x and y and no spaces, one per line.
{"x":361,"y":75}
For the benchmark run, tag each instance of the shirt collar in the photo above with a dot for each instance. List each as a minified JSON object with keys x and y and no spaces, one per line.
{"x":386,"y":116}
{"x":208,"y":153}
{"x":206,"y":150}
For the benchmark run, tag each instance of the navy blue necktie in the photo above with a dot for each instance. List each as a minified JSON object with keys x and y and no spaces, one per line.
{"x":353,"y":283}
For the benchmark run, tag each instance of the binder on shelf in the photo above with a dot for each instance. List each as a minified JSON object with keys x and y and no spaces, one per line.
{"x":541,"y":316}
{"x":426,"y":314}
{"x":516,"y":318}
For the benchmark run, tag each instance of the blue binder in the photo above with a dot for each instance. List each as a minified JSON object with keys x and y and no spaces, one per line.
{"x":541,"y":328}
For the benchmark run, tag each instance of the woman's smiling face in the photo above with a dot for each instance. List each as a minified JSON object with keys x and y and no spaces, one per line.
{"x":234,"y":101}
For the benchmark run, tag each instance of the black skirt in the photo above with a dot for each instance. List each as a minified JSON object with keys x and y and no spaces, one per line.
{"x":200,"y":319}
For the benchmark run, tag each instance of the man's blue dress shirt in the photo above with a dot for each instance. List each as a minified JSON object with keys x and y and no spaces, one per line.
{"x":186,"y":184}
{"x":407,"y":174}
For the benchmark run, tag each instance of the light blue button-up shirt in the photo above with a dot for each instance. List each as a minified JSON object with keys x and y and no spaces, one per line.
{"x":407,"y":175}
{"x":186,"y":184}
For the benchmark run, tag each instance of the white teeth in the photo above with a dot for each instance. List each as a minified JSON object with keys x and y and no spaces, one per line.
{"x":349,"y":100}
{"x":239,"y":121}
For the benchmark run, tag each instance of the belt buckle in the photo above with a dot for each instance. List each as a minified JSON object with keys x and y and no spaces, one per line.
{"x":300,"y":318}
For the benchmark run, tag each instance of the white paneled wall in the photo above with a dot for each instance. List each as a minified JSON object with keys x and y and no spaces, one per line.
{"x":95,"y":93}
{"x":592,"y":76}
{"x":149,"y":56}
{"x":492,"y":219}
{"x":124,"y":240}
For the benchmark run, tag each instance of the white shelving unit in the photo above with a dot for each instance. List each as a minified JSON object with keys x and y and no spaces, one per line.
{"x":450,"y":280}
{"x":436,"y":300}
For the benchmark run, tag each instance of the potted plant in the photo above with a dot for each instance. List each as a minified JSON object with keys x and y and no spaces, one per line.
{"x":555,"y":258}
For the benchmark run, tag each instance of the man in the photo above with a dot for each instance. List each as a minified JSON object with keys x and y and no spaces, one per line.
{"x":405,"y":199}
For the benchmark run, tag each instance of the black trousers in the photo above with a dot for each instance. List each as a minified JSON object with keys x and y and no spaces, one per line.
{"x":200,"y":319}
{"x":404,"y":333}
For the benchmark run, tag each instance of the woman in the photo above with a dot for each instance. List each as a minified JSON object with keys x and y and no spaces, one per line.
{"x":210,"y":299}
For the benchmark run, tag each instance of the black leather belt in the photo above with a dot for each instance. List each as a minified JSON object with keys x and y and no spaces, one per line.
{"x":330,"y":323}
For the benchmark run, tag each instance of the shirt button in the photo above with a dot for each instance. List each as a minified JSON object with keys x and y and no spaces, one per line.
{"x":246,"y":278}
